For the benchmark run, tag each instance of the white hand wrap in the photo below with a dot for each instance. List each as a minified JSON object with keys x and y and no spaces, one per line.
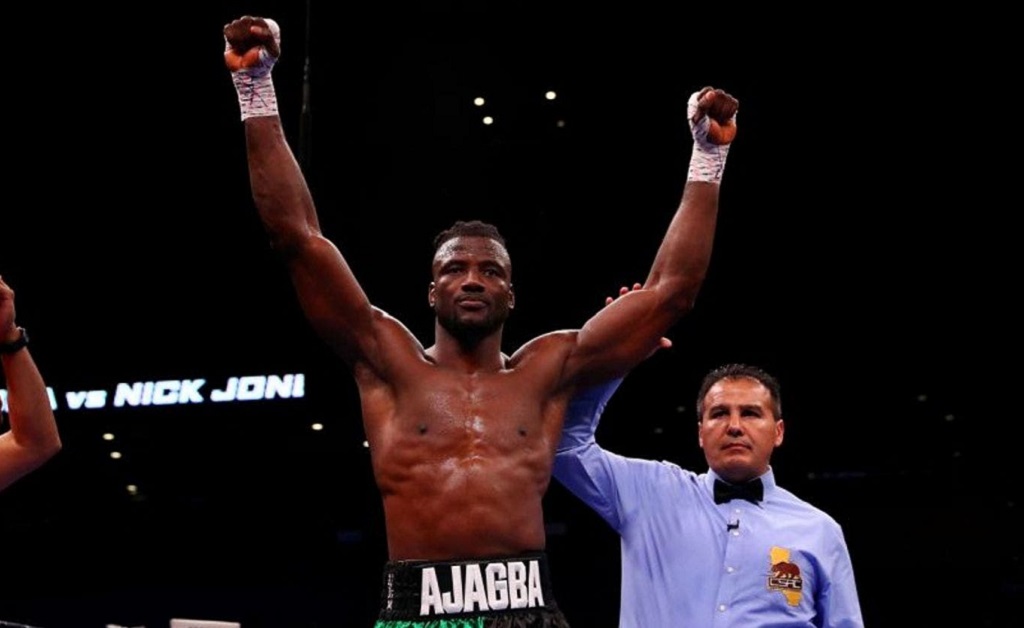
{"x":256,"y":96}
{"x":707,"y":161}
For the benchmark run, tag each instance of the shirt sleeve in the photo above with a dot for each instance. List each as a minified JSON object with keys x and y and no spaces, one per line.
{"x":584,"y":413}
{"x":583,"y":467}
{"x":840,"y":606}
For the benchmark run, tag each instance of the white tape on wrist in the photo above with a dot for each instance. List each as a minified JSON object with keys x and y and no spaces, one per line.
{"x":707,"y":160}
{"x":256,"y":96}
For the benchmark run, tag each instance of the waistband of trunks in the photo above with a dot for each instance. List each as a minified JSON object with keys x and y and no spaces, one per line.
{"x":415,"y":589}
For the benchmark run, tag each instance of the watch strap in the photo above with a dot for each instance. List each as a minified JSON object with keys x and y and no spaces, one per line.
{"x":17,"y":345}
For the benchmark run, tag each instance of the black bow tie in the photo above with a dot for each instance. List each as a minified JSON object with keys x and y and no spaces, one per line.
{"x":752,"y":491}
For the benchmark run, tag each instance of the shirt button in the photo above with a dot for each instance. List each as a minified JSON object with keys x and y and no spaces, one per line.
{"x":721,"y":608}
{"x":730,"y":569}
{"x":735,"y":532}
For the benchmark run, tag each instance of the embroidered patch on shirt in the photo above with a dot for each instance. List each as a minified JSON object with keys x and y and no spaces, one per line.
{"x":784,"y":576}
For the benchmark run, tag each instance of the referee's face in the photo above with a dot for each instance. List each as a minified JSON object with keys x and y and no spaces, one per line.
{"x":738,"y":430}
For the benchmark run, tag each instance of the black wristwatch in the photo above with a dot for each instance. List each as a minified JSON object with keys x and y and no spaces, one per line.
{"x":17,"y":345}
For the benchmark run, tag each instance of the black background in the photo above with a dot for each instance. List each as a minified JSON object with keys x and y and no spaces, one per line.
{"x":858,"y":258}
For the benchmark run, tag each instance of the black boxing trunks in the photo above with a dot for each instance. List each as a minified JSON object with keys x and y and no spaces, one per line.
{"x":500,"y":592}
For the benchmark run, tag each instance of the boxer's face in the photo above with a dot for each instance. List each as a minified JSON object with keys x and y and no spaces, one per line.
{"x":472,"y":287}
